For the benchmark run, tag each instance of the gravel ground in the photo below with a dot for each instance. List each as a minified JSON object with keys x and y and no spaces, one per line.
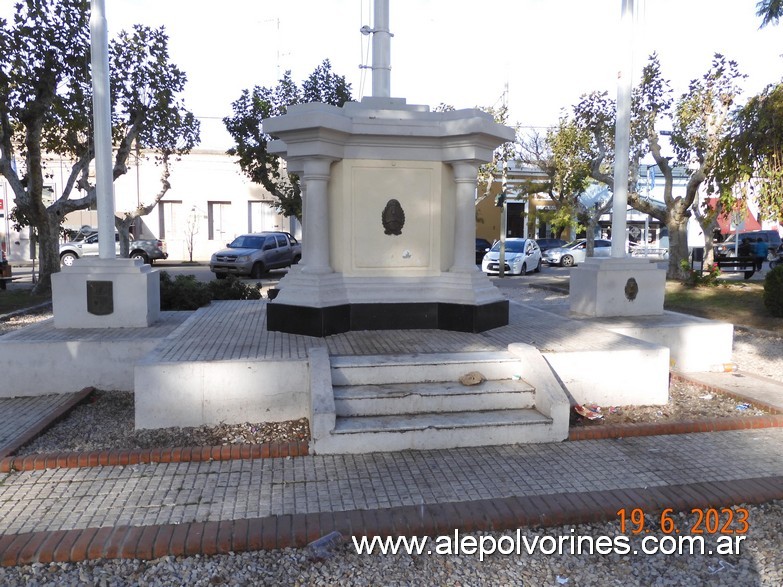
{"x":759,"y":562}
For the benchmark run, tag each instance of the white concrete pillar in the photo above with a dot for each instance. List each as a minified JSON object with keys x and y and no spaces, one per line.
{"x":465,"y":176}
{"x":315,"y":215}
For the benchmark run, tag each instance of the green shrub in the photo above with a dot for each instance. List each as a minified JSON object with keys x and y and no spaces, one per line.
{"x":182,"y":293}
{"x":707,"y":276}
{"x":233,"y":289}
{"x":773,"y":291}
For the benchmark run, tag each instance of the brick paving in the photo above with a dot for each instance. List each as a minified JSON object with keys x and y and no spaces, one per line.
{"x":147,"y":504}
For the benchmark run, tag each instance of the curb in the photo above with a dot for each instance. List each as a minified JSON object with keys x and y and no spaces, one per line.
{"x":25,"y":311}
{"x":41,"y":425}
{"x":298,"y":530}
{"x":110,"y":458}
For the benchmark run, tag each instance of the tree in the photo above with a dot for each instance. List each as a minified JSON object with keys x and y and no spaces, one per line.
{"x":147,"y":111}
{"x":770,"y":11}
{"x":252,"y":142}
{"x":562,"y":156}
{"x":699,"y":121}
{"x":751,"y":159}
{"x":46,"y":109}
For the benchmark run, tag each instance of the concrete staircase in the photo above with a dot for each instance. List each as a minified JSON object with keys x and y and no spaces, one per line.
{"x":397,"y":402}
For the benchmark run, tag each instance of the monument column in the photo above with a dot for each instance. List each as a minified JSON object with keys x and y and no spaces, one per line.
{"x":465,"y":176}
{"x":315,"y":224}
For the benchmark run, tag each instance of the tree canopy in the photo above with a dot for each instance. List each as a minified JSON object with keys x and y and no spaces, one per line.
{"x":46,"y":109}
{"x":245,"y":126}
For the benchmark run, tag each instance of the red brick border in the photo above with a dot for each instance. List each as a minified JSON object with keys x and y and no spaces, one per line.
{"x":108,"y":458}
{"x":680,"y":427}
{"x":207,"y":538}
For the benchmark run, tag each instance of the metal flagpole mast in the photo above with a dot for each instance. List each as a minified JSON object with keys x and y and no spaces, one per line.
{"x":622,"y":130}
{"x":101,"y":103}
{"x":381,"y":50}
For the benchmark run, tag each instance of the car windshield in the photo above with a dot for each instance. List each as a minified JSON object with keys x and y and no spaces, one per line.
{"x":247,"y":241}
{"x":516,"y":246}
{"x":572,"y":244}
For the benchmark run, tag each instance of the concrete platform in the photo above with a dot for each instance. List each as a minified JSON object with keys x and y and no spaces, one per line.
{"x":41,"y":359}
{"x":222,"y":364}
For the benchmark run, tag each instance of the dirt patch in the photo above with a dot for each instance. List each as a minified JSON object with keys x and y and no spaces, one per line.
{"x":687,"y":402}
{"x":105,"y":421}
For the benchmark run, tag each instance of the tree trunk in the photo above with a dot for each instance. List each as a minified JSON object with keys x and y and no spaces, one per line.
{"x":678,"y":244}
{"x":48,"y":253}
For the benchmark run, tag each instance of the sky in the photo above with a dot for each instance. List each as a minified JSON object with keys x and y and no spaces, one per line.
{"x":538,"y":55}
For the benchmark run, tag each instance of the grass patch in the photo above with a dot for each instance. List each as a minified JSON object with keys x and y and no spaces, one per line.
{"x":741,"y":303}
{"x":16,"y":299}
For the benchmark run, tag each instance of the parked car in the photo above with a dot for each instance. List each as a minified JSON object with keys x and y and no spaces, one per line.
{"x":85,"y":244}
{"x":550,"y":243}
{"x":575,"y":252}
{"x":522,"y":255}
{"x":254,"y":254}
{"x":771,"y":237}
{"x":482,"y":247}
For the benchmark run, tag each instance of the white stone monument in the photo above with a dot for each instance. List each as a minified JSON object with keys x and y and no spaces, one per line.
{"x":388,"y":198}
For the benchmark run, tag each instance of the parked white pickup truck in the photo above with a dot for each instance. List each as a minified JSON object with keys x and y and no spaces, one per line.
{"x":254,"y":254}
{"x":86,"y":245}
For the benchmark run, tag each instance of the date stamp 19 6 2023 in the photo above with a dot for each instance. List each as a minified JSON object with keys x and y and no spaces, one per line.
{"x":704,"y":521}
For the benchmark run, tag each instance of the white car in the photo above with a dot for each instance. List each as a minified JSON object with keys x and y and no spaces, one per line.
{"x":522,"y":256}
{"x":575,"y":252}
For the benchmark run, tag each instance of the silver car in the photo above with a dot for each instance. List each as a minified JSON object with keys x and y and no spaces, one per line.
{"x":575,"y":252}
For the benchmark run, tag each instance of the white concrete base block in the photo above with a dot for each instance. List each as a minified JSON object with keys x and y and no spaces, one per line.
{"x":41,"y":359}
{"x":211,"y":392}
{"x":314,"y":290}
{"x":134,"y":289}
{"x":617,"y":378}
{"x":617,"y":287}
{"x":687,"y":340}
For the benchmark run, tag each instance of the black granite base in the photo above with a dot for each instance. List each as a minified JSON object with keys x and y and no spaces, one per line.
{"x":345,"y":318}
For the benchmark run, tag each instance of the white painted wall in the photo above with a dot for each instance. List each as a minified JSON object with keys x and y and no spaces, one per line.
{"x":197,"y":180}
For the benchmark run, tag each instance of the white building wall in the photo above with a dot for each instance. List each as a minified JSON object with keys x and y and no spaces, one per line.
{"x":198,"y":182}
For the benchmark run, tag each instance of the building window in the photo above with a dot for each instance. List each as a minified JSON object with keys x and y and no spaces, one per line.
{"x":218,"y":220}
{"x":261,"y":216}
{"x":169,"y":219}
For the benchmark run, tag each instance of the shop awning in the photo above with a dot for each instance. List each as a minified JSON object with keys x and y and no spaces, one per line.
{"x":724,"y":222}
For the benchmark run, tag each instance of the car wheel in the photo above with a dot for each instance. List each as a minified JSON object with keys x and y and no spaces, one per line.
{"x":297,"y":259}
{"x":220,"y":275}
{"x":257,"y":271}
{"x":538,"y":267}
{"x":567,"y":261}
{"x":67,"y":259}
{"x":140,"y":255}
{"x":523,"y":271}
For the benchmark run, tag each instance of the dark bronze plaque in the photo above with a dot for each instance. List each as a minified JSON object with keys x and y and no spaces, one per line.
{"x":100,"y":297}
{"x":631,"y":289}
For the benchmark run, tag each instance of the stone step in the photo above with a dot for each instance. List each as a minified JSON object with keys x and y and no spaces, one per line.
{"x":384,"y":369}
{"x":436,"y":431}
{"x":414,"y":398}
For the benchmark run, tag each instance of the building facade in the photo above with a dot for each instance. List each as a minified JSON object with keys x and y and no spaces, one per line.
{"x":210,"y":202}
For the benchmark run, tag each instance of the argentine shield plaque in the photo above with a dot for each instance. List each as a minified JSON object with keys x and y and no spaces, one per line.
{"x":100,"y":297}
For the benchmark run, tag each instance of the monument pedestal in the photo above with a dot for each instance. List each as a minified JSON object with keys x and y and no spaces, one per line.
{"x":106,"y":293}
{"x":331,"y":303}
{"x":617,"y":287}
